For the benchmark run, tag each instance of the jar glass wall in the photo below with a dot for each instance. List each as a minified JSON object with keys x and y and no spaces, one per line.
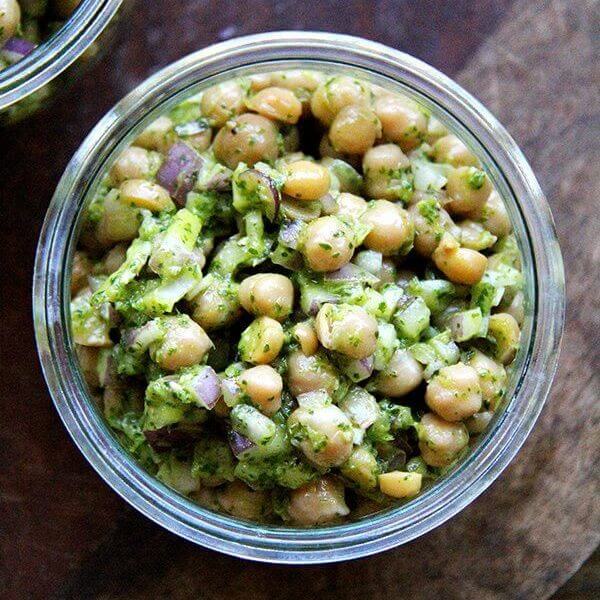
{"x":542,"y":267}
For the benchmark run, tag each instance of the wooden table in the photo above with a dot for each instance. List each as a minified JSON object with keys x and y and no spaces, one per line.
{"x":64,"y":533}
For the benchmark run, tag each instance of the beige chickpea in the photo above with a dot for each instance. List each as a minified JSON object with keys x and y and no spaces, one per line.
{"x":347,"y":329}
{"x":200,"y":141}
{"x":318,"y":502}
{"x":449,"y":149}
{"x":239,"y":500}
{"x":276,"y":103}
{"x":329,"y":244}
{"x":81,"y":269}
{"x":454,"y":392}
{"x":494,"y":217}
{"x":479,"y":422}
{"x":336,"y":93}
{"x":267,"y":294}
{"x":119,"y":221}
{"x":249,"y":138}
{"x":378,"y":165}
{"x":157,"y":136}
{"x":428,"y":232}
{"x":441,"y":441}
{"x":264,"y":386}
{"x":306,"y":180}
{"x":325,"y":434}
{"x":402,"y":375}
{"x":392,"y":229}
{"x":185,"y":344}
{"x":516,"y":308}
{"x":460,"y":265}
{"x":261,"y":341}
{"x":133,"y":163}
{"x":145,"y":194}
{"x":260,"y":81}
{"x":10,"y":19}
{"x":306,"y":336}
{"x":298,"y":79}
{"x":350,"y":205}
{"x":492,"y":378}
{"x":402,"y":121}
{"x":310,"y":373}
{"x":474,"y":236}
{"x":504,"y":330}
{"x":215,"y":308}
{"x":468,"y":188}
{"x":222,"y":102}
{"x":354,"y":129}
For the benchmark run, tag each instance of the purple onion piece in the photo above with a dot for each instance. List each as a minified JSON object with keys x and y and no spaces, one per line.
{"x":239,"y":444}
{"x":171,"y":436}
{"x":219,"y":182}
{"x":365,"y":367}
{"x":320,"y":298}
{"x":179,"y":171}
{"x":351,"y":273}
{"x":398,"y":461}
{"x":15,"y":49}
{"x":207,"y":388}
{"x":289,"y":234}
{"x":267,"y":191}
{"x":139,"y":338}
{"x":231,"y":390}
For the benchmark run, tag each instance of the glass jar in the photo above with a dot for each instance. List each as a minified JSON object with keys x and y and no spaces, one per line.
{"x":542,"y":267}
{"x":31,"y":83}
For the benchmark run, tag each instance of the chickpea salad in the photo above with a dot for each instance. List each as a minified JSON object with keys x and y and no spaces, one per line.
{"x":24,"y":24}
{"x":296,"y":298}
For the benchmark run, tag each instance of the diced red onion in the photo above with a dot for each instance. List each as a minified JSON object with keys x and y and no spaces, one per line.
{"x":15,"y":49}
{"x":321,"y":298}
{"x":171,"y":436}
{"x":271,"y":197}
{"x":361,"y":369}
{"x":231,"y":390}
{"x":179,"y":171}
{"x":239,"y":444}
{"x":140,"y":338}
{"x":219,"y":182}
{"x":350,"y":273}
{"x":207,"y":388}
{"x":289,"y":234}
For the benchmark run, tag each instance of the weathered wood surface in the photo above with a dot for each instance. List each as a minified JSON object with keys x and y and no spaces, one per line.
{"x":64,"y":534}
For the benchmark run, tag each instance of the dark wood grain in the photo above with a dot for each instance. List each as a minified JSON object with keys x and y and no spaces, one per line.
{"x":63,"y":533}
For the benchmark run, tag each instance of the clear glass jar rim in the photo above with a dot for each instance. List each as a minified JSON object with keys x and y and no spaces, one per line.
{"x":275,"y":544}
{"x":54,"y":55}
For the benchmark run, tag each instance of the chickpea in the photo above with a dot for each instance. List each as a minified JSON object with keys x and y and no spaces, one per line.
{"x":10,"y":19}
{"x":249,"y":138}
{"x":113,"y":259}
{"x":324,"y":434}
{"x":334,"y":94}
{"x":468,"y":188}
{"x":216,"y":307}
{"x":402,"y":375}
{"x":260,"y":81}
{"x":276,"y":103}
{"x":222,"y":102}
{"x":479,"y":422}
{"x":429,"y":228}
{"x":307,"y":337}
{"x":354,"y":129}
{"x":318,"y":502}
{"x":379,"y":163}
{"x":329,"y":244}
{"x":267,"y":294}
{"x":301,"y":79}
{"x":400,"y":484}
{"x":306,"y":180}
{"x":474,"y":236}
{"x":492,"y":378}
{"x":350,"y":205}
{"x":80,"y":271}
{"x":450,"y":150}
{"x":185,"y":344}
{"x":460,"y":265}
{"x":347,"y":329}
{"x":454,"y":392}
{"x":392,"y":229}
{"x":310,"y":373}
{"x":516,"y":308}
{"x":261,"y":341}
{"x":440,"y":441}
{"x":133,"y":163}
{"x":402,"y":121}
{"x":435,"y":130}
{"x":157,"y":136}
{"x":200,"y":141}
{"x":145,"y":194}
{"x":504,"y":330}
{"x":239,"y":500}
{"x":119,"y":222}
{"x":493,"y":216}
{"x":264,"y":386}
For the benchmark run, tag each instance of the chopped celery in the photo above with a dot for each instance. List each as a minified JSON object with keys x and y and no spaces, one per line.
{"x":437,"y":293}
